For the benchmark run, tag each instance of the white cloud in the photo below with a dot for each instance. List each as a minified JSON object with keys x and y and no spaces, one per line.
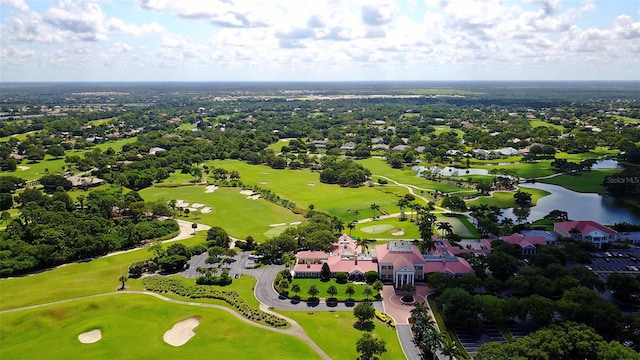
{"x":18,"y":4}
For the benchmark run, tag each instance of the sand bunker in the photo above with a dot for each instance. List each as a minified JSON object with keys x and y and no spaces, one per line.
{"x":197,"y":205}
{"x":90,"y":337}
{"x":181,"y":203}
{"x":296,"y":223}
{"x":377,"y":229}
{"x":23,"y":168}
{"x":210,"y":188}
{"x":181,"y":332}
{"x":399,"y":232}
{"x":205,"y":210}
{"x":254,"y":197}
{"x":264,"y":183}
{"x":246,"y":192}
{"x":281,"y":224}
{"x":311,"y":184}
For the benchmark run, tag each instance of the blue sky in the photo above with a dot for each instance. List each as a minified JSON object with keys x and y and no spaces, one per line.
{"x":318,"y":40}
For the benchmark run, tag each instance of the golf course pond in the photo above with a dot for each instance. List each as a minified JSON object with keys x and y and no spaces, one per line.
{"x":579,"y":206}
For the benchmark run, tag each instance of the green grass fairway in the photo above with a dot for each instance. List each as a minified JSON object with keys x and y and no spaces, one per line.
{"x":537,"y":123}
{"x":294,"y":185}
{"x":586,"y":182}
{"x":21,"y":137}
{"x":458,"y":226}
{"x":504,"y":199}
{"x":132,"y":328}
{"x":524,"y":170}
{"x":115,"y":144}
{"x":277,"y":146}
{"x":335,"y":334}
{"x":386,"y":228}
{"x":231,"y":210}
{"x":626,"y":119}
{"x":76,"y":279}
{"x":379,"y":166}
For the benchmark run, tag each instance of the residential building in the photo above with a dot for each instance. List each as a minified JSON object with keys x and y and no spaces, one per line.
{"x":527,"y":243}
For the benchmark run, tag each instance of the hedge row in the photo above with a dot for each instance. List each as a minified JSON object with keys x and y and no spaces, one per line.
{"x":385,"y":319}
{"x":162,"y":284}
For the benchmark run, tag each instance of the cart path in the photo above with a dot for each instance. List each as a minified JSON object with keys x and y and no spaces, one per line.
{"x":295,"y":329}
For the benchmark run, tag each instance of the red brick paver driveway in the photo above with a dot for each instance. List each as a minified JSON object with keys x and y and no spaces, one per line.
{"x":395,"y":308}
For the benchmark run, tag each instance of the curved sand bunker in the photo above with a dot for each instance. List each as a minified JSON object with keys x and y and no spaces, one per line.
{"x":181,"y":332}
{"x":90,"y":337}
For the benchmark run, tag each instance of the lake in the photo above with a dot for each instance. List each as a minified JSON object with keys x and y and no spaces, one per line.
{"x":579,"y":206}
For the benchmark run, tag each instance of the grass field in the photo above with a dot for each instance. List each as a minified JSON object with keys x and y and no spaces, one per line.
{"x":458,"y":224}
{"x":586,"y":182}
{"x":626,"y":119}
{"x":132,"y":328}
{"x":115,"y":144}
{"x":445,"y":128}
{"x":76,"y":279}
{"x":524,"y":170}
{"x":101,"y":121}
{"x":383,"y":229}
{"x":323,"y":286}
{"x":537,"y":122}
{"x":277,"y":146}
{"x":504,"y":199}
{"x":304,"y":188}
{"x":230,"y":210}
{"x":335,"y":334}
{"x":20,"y":137}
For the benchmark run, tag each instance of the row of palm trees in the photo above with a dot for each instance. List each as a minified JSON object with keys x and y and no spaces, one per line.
{"x":427,"y":335}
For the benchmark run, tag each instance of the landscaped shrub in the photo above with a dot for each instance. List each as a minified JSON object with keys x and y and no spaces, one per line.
{"x":342,"y":277}
{"x":371,"y":276}
{"x":162,"y":284}
{"x":385,"y":318}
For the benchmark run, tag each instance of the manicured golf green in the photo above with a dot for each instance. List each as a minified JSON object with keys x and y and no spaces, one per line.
{"x":504,"y":199}
{"x":335,"y":334}
{"x":586,"y":182}
{"x":132,"y":327}
{"x":232,"y":211}
{"x":391,"y":228}
{"x":537,"y":122}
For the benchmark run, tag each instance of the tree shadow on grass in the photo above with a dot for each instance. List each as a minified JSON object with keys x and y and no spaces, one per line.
{"x":364,"y":326}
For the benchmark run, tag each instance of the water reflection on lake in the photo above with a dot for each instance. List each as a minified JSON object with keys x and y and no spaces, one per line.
{"x":579,"y":206}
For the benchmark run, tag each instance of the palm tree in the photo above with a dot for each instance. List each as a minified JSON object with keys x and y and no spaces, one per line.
{"x":402,"y":204}
{"x":377,"y":286}
{"x":450,"y":349}
{"x":351,"y":226}
{"x":350,"y":290}
{"x":444,"y":226}
{"x":432,"y":340}
{"x":367,"y":292}
{"x":194,"y":226}
{"x":364,"y":244}
{"x":337,"y":224}
{"x":313,"y":291}
{"x":172,"y":205}
{"x":574,"y":233}
{"x":122,"y":279}
{"x":295,"y":288}
{"x":374,"y":208}
{"x":332,"y":290}
{"x":81,"y":199}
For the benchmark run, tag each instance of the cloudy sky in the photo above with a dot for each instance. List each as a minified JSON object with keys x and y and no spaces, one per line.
{"x":318,"y":40}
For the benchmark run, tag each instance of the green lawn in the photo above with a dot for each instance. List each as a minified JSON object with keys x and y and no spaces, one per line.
{"x":445,"y":128}
{"x":384,"y":228}
{"x":76,"y":279}
{"x":524,"y":170}
{"x":335,"y":334}
{"x":626,"y":119}
{"x":132,"y":328}
{"x":537,"y":122}
{"x":232,"y":211}
{"x":504,"y":199}
{"x":586,"y":182}
{"x":304,"y":188}
{"x":277,"y":146}
{"x":21,"y":137}
{"x":115,"y":144}
{"x":101,"y":121}
{"x":461,"y":226}
{"x":323,"y":286}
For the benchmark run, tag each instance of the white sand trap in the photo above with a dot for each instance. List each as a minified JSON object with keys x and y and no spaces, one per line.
{"x":181,"y":203}
{"x":274,"y":225}
{"x":246,"y":192}
{"x":205,"y":210}
{"x":23,"y":168}
{"x":264,"y":183}
{"x":192,"y":209}
{"x":90,"y":337}
{"x":377,"y":229}
{"x":397,"y":232}
{"x":311,"y":184}
{"x":296,"y":223}
{"x":181,"y":332}
{"x":210,"y":189}
{"x":254,"y":197}
{"x":197,"y":205}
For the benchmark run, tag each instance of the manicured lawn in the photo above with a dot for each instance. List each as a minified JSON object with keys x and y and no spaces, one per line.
{"x":626,"y":119}
{"x":323,"y":286}
{"x":132,"y":328}
{"x":335,"y":334}
{"x":597,"y":153}
{"x":504,"y":199}
{"x":537,"y":122}
{"x":101,"y":121}
{"x":445,"y":128}
{"x":232,"y":211}
{"x":21,"y":137}
{"x":384,"y":228}
{"x":461,"y":226}
{"x":115,"y":144}
{"x":304,"y":188}
{"x":586,"y":182}
{"x":277,"y":146}
{"x":524,"y":170}
{"x":76,"y":279}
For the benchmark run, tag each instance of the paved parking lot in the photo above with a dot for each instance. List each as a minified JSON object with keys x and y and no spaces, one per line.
{"x":471,"y":340}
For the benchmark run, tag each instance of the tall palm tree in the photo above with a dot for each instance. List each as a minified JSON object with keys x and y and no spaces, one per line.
{"x":364,"y":244}
{"x":337,"y":224}
{"x":122,"y":279}
{"x":374,"y":208}
{"x":402,"y":204}
{"x":351,"y":226}
{"x":444,"y":226}
{"x":432,"y":341}
{"x":450,"y":349}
